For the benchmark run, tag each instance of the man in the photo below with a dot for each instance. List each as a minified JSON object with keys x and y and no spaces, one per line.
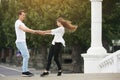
{"x":20,"y":30}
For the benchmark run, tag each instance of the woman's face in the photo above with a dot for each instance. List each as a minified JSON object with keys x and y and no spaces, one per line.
{"x":58,"y":23}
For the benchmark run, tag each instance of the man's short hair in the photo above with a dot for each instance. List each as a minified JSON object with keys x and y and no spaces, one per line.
{"x":20,"y":12}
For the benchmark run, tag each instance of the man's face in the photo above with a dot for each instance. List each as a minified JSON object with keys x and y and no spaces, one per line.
{"x":22,"y":16}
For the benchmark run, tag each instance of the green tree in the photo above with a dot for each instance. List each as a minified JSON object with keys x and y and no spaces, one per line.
{"x":111,"y":21}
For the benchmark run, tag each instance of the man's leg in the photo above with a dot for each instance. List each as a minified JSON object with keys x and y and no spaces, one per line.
{"x":25,"y":54}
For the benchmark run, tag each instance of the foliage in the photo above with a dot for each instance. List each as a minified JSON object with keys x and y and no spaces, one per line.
{"x":111,"y":25}
{"x":42,"y":14}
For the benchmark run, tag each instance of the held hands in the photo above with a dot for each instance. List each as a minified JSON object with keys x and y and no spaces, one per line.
{"x":40,"y":32}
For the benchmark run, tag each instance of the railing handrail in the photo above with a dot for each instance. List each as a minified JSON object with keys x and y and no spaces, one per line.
{"x":109,"y":59}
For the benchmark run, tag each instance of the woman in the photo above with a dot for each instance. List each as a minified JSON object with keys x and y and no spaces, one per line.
{"x":57,"y":43}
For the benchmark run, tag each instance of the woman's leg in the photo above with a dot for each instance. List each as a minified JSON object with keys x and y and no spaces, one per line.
{"x":50,"y":55}
{"x":58,"y":48}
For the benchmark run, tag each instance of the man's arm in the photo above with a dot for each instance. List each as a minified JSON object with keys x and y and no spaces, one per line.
{"x":26,"y":29}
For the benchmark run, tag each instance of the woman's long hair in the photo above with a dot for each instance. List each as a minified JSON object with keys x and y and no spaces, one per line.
{"x":67,"y":24}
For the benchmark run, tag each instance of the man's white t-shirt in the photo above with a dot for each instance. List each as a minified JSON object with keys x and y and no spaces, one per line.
{"x":20,"y":34}
{"x":58,"y":35}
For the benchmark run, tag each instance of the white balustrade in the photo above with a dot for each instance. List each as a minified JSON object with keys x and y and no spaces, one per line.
{"x":111,"y":63}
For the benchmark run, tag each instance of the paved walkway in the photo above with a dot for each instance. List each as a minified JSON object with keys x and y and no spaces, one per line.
{"x":67,"y":77}
{"x":14,"y":73}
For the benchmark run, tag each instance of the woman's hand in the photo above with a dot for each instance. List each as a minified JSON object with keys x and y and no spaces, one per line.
{"x":40,"y":32}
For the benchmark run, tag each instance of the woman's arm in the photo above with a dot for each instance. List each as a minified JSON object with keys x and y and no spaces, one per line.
{"x":44,"y":32}
{"x":52,"y":31}
{"x":47,"y":32}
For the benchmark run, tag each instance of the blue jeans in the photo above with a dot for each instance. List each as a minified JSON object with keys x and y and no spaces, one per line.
{"x":25,"y":54}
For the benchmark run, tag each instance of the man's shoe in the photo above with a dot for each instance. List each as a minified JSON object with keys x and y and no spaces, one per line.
{"x":44,"y":74}
{"x":27,"y":74}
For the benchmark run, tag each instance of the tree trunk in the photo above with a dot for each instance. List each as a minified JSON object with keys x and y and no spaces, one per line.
{"x":44,"y":52}
{"x":106,"y":45}
{"x":77,"y":60}
{"x":3,"y":56}
{"x":10,"y":53}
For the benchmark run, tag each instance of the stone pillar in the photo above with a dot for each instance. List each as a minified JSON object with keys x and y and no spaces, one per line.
{"x":96,"y":28}
{"x":96,"y":52}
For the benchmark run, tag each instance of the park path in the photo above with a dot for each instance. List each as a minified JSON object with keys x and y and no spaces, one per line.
{"x":13,"y":73}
